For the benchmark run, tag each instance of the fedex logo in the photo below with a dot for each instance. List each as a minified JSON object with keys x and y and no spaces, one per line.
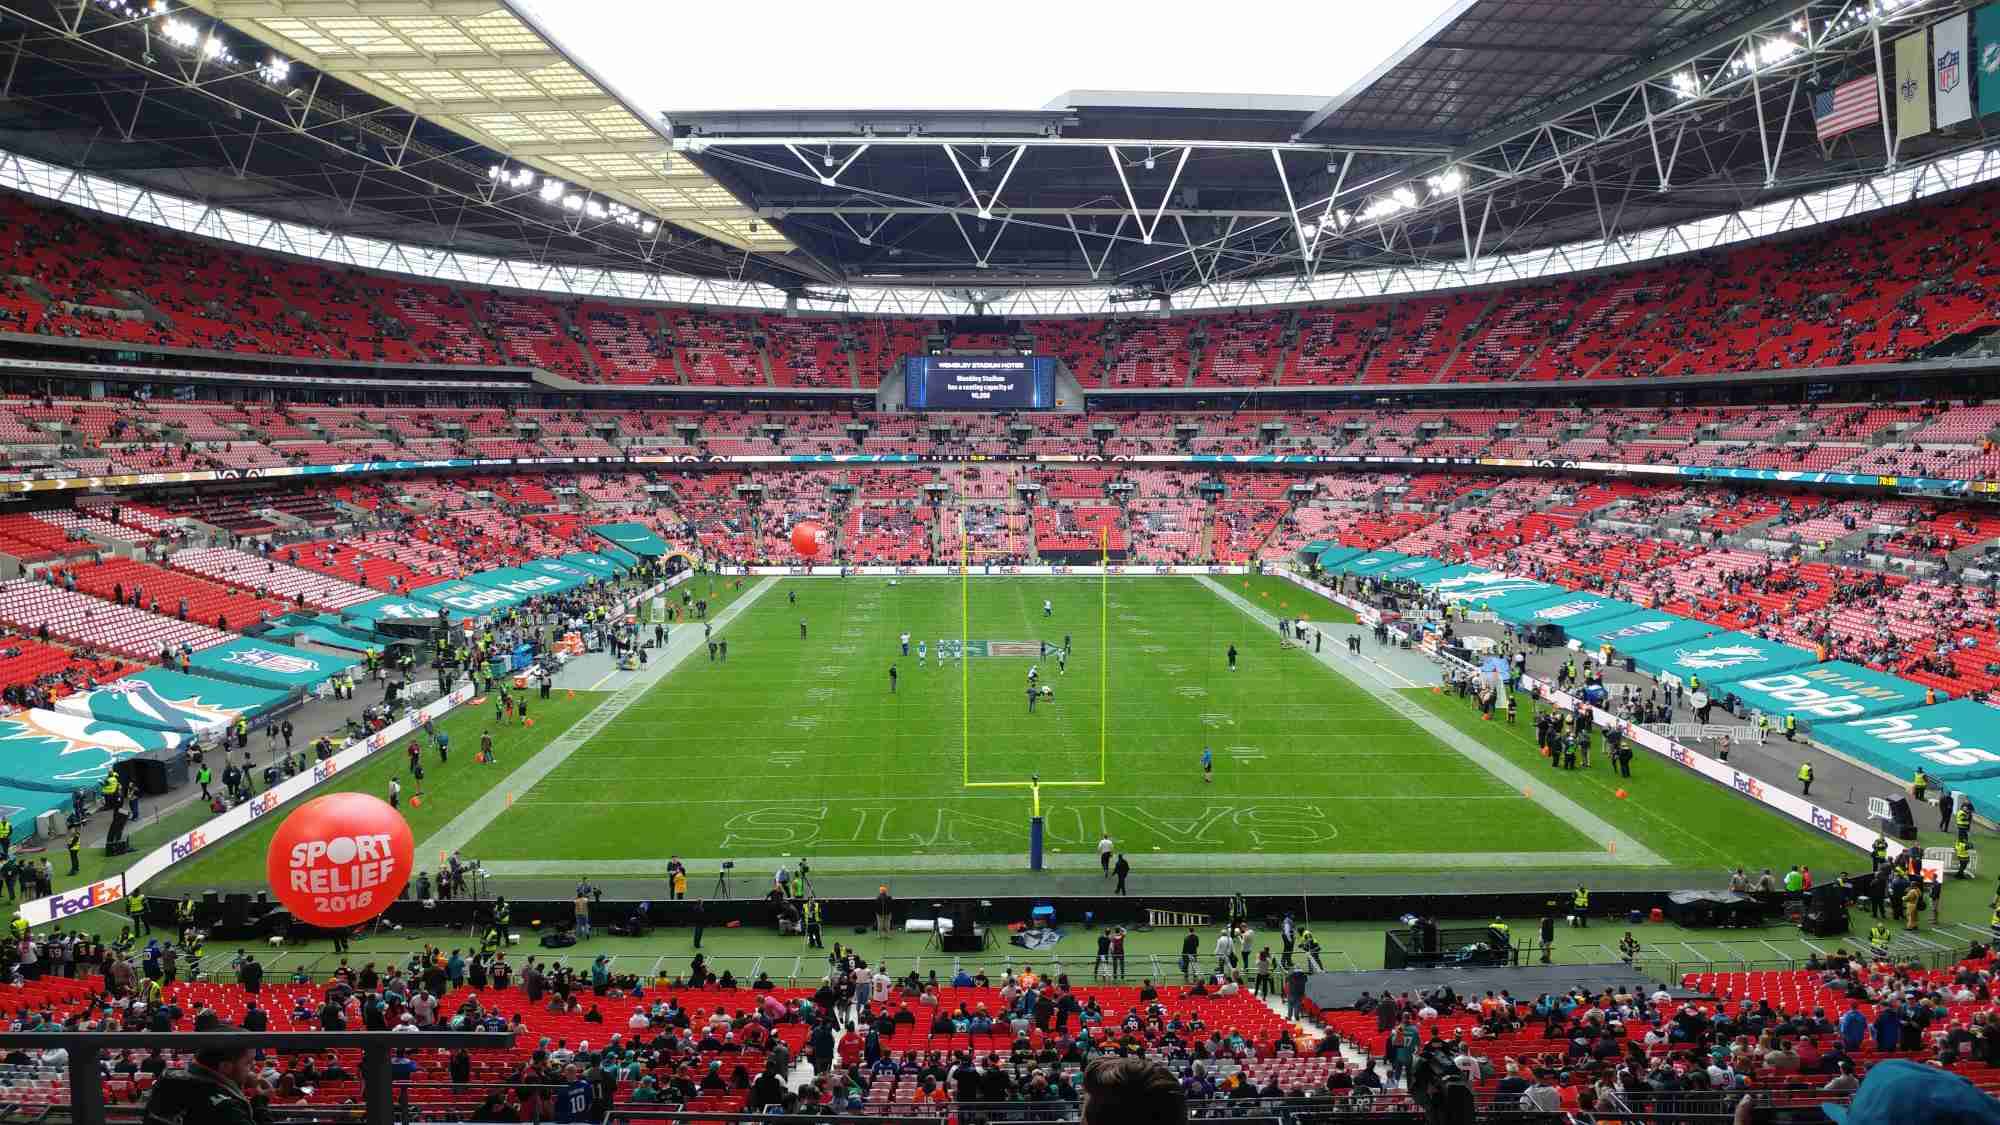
{"x":1748,"y":786}
{"x":324,"y":770}
{"x":187,"y":845}
{"x":1829,"y":823}
{"x":264,"y":802}
{"x":86,"y":898}
{"x":1680,"y":754}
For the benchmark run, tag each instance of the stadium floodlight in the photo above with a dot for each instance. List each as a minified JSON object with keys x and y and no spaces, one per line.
{"x":275,"y":71}
{"x":649,"y":227}
{"x":493,"y":172}
{"x":1447,"y":182}
{"x":572,"y":203}
{"x":180,"y":32}
{"x":1685,"y":84}
{"x":552,"y":190}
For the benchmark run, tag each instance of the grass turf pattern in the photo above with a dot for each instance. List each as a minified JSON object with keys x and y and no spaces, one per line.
{"x":796,"y":747}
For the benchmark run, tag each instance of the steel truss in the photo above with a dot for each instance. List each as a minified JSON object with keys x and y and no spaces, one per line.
{"x":377,"y":145}
{"x":1713,"y":128}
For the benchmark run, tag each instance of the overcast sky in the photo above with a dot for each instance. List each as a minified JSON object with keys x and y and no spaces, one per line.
{"x":668,"y":55}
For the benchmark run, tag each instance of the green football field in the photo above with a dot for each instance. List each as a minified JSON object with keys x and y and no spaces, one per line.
{"x":796,"y":747}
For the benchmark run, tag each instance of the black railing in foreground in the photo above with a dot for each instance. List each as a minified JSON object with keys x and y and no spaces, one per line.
{"x":86,"y":1048}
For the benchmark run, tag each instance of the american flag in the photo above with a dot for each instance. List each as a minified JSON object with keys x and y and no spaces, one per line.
{"x":1846,"y":107}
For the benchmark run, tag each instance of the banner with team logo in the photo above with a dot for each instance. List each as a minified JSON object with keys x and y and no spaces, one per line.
{"x":1575,"y":609}
{"x":1721,"y":658}
{"x":1411,"y":569}
{"x":526,"y":582}
{"x":1951,"y":71}
{"x":249,"y":661}
{"x":1817,"y":694}
{"x":469,"y":598}
{"x":1952,"y":741}
{"x":58,"y":751}
{"x":1913,"y":85}
{"x":1477,"y":588}
{"x":1368,"y":562}
{"x":599,"y":565}
{"x":1329,"y":559}
{"x":161,"y":699}
{"x":1649,"y":628}
{"x":634,"y":537}
{"x":404,"y":610}
{"x":1986,"y":39}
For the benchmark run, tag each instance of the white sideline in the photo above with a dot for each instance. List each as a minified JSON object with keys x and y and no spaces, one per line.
{"x":1622,"y":848}
{"x":487,"y":808}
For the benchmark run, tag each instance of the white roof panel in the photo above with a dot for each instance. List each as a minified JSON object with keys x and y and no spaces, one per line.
{"x":478,"y":69}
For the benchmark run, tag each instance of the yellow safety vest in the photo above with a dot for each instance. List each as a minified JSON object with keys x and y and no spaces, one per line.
{"x":1805,"y":771}
{"x":1580,"y":899}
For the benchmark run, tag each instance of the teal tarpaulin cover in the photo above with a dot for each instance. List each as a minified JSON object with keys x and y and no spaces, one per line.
{"x":601,"y":565}
{"x":525,"y":583}
{"x":1649,"y":628}
{"x":1371,"y":562}
{"x":634,"y":537}
{"x":262,"y":664}
{"x":54,"y":750}
{"x":399,"y":608}
{"x":162,"y":699}
{"x":1952,"y":741}
{"x":470,"y":598}
{"x":1571,"y":611}
{"x":1825,"y":693}
{"x":1723,"y":657}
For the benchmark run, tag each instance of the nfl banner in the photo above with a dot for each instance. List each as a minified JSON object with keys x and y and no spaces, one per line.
{"x":1913,"y":85}
{"x":1951,"y":77}
{"x":1986,"y":37}
{"x":247,"y":661}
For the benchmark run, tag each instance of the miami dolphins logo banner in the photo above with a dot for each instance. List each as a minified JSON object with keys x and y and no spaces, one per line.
{"x":51,"y":750}
{"x":159,"y":699}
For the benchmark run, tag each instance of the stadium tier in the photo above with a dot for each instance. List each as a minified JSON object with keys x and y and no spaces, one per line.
{"x":1875,"y":292}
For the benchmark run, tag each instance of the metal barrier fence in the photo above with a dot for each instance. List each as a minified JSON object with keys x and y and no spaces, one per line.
{"x":86,"y":1048}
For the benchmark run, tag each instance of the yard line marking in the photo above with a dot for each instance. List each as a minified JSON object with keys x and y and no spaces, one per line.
{"x":1153,"y":862}
{"x":1198,"y":798}
{"x":488,"y":807}
{"x":1629,"y":850}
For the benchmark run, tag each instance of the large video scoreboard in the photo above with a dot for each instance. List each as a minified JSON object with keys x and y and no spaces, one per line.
{"x":979,"y":382}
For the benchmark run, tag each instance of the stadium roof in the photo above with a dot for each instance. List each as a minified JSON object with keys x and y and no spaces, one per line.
{"x":1488,"y":60}
{"x":1506,"y":126}
{"x":481,"y":70}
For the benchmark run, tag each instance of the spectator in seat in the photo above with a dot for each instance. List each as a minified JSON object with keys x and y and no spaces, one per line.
{"x":210,"y":1090}
{"x":1120,"y":1090}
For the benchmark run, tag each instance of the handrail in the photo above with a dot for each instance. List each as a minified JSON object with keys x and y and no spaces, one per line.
{"x":86,"y":1088}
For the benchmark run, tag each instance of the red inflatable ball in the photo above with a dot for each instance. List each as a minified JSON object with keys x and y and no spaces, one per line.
{"x":808,"y":539}
{"x":341,"y":859}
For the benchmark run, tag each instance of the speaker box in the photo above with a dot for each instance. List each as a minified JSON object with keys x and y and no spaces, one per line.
{"x":236,"y":910}
{"x":117,"y":847}
{"x":1900,"y":824}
